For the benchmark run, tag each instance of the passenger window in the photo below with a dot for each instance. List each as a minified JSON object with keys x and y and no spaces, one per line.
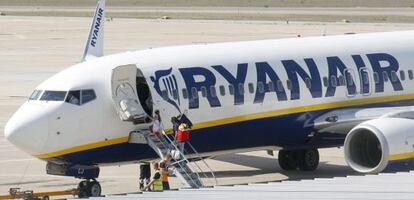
{"x":164,"y":94}
{"x":325,"y":81}
{"x":376,"y":77}
{"x":334,"y":82}
{"x":363,"y":72}
{"x":251,"y":88}
{"x":394,"y":77}
{"x":213,"y":91}
{"x":385,"y":76}
{"x":271,"y":86}
{"x":35,"y":95}
{"x":341,"y":80}
{"x":231,"y":89}
{"x":279,"y":85}
{"x":366,"y":78}
{"x":289,"y":84}
{"x":241,"y":88}
{"x":175,"y":94}
{"x":402,"y":75}
{"x":87,"y":96}
{"x":308,"y":83}
{"x":349,"y":79}
{"x":203,"y":91}
{"x":185,"y":93}
{"x":222,"y":90}
{"x":53,"y":96}
{"x":260,"y":87}
{"x":194,"y":92}
{"x":410,"y":74}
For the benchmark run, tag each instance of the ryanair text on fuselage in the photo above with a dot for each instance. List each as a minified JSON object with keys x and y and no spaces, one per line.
{"x":383,"y":66}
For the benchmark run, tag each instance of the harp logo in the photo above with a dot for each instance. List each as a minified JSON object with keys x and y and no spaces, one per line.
{"x":165,"y":84}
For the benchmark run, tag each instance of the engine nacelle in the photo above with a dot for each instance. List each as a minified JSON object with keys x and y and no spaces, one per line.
{"x":381,"y":144}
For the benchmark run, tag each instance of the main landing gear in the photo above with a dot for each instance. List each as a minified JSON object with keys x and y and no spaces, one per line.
{"x":89,"y":188}
{"x":304,"y":160}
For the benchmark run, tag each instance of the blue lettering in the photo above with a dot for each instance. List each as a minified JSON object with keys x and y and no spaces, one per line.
{"x":235,"y":81}
{"x":293,"y":69}
{"x":392,"y":66}
{"x":264,"y":70}
{"x":97,"y":26}
{"x":335,"y":64}
{"x":189,"y":75}
{"x":359,"y":62}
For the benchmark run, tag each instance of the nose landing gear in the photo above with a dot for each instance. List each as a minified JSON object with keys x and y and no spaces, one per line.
{"x":304,"y":160}
{"x":88,"y":188}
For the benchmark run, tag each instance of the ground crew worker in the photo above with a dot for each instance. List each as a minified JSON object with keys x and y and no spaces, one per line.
{"x":156,"y":182}
{"x":144,"y":174}
{"x":164,"y":164}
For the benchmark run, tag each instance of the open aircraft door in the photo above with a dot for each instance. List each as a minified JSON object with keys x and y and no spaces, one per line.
{"x":124,"y":94}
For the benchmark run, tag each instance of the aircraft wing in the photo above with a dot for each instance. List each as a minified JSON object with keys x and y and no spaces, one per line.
{"x":343,"y":120}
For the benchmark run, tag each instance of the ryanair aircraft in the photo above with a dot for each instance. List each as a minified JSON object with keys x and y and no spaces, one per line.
{"x":294,"y":95}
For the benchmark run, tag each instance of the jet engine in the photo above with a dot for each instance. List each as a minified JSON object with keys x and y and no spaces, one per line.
{"x":381,"y":144}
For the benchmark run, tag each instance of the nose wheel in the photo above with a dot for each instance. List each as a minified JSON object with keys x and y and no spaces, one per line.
{"x":88,"y":188}
{"x":304,"y":160}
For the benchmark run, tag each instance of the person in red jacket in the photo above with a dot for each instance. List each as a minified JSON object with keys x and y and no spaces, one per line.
{"x":182,"y":136}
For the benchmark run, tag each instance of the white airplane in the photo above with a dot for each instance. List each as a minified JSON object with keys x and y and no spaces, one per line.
{"x":294,"y":95}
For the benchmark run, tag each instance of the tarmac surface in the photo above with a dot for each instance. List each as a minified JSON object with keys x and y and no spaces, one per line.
{"x":325,"y":14}
{"x":34,"y":48}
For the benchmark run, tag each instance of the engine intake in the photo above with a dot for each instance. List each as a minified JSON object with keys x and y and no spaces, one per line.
{"x":380,"y":144}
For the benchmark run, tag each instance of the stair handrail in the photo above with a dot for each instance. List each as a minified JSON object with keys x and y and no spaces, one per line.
{"x":182,"y":156}
{"x":197,"y":155}
{"x":198,"y":166}
{"x":204,"y":161}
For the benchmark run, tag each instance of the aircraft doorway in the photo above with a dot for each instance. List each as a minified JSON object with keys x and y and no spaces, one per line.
{"x":131,"y":94}
{"x":144,"y":93}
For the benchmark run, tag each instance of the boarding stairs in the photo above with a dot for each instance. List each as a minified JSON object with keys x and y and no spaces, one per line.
{"x":130,"y":109}
{"x":191,"y":174}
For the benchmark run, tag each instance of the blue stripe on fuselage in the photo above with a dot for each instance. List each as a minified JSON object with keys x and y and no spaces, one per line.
{"x":288,"y":131}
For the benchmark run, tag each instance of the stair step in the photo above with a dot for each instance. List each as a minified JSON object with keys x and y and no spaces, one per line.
{"x":182,"y":170}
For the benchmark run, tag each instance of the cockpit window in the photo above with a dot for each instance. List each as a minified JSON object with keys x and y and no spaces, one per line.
{"x":80,"y":97}
{"x":53,"y":96}
{"x":87,"y":96}
{"x":35,"y":95}
{"x":73,"y":97}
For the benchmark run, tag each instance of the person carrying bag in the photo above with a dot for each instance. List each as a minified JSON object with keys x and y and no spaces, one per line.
{"x":182,"y":136}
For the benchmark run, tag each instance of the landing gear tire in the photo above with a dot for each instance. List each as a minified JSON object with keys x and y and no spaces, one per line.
{"x":95,"y":189}
{"x":45,"y":198}
{"x":308,"y":159}
{"x":83,"y":189}
{"x":89,"y":189}
{"x":287,"y":159}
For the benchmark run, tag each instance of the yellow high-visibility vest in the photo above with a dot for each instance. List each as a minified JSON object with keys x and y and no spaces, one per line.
{"x":157,"y":185}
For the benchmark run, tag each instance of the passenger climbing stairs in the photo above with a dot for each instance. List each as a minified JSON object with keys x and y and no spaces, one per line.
{"x":137,"y":111}
{"x":191,"y":174}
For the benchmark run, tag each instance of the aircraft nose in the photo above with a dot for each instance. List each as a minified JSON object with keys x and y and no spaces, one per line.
{"x":27,"y":129}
